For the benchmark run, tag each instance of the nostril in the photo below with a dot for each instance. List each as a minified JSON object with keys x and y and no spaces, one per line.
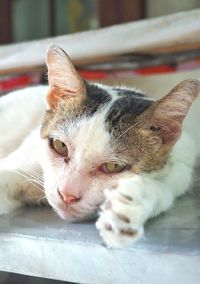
{"x":68,"y":198}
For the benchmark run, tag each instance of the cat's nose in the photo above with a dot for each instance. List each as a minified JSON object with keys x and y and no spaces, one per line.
{"x":68,"y":198}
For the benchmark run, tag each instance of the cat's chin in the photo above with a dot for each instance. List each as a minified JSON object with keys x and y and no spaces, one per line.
{"x":68,"y":214}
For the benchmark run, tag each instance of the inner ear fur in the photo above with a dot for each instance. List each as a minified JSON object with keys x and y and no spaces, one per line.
{"x":166,"y":115}
{"x":64,"y":80}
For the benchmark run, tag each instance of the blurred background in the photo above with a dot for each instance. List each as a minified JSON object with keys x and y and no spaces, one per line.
{"x":25,"y":20}
{"x":22,"y":20}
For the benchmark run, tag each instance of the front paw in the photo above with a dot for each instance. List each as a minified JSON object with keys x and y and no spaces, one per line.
{"x":122,"y":217}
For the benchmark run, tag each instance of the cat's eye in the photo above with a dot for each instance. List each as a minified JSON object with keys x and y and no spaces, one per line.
{"x":59,"y":147}
{"x":112,"y":168}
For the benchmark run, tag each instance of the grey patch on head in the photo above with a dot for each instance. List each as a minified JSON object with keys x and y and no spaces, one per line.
{"x":125,"y":92}
{"x":126,"y":105}
{"x":97,"y":98}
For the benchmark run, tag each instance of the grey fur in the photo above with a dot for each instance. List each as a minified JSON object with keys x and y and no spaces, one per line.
{"x":129,"y":103}
{"x":97,"y":97}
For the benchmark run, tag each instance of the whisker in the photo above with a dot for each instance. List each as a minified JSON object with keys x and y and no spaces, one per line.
{"x":35,"y":178}
{"x":132,"y":126}
{"x":32,"y":172}
{"x":28,"y":179}
{"x":35,"y":185}
{"x":31,"y":181}
{"x":41,"y":198}
{"x":26,"y":167}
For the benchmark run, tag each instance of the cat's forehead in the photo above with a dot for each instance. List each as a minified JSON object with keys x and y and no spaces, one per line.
{"x":116,"y":103}
{"x":118,"y":100}
{"x":104,"y":105}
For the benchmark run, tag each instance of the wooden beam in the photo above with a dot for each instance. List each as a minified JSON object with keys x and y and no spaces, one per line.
{"x":120,"y":11}
{"x":173,"y":33}
{"x":52,"y":17}
{"x":5,"y":21}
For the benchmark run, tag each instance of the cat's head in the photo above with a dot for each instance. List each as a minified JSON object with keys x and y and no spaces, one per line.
{"x":93,"y":135}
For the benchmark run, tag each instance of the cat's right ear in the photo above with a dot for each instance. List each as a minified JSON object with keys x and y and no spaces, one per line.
{"x":64,"y":80}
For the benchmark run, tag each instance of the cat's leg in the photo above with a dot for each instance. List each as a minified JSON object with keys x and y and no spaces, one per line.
{"x":133,"y":202}
{"x":17,"y":187}
{"x":139,"y":198}
{"x":20,"y":176}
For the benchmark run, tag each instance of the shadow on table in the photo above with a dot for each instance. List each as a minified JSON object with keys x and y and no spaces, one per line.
{"x":13,"y":278}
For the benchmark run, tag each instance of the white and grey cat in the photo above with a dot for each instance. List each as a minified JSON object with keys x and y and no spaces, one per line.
{"x":95,"y":145}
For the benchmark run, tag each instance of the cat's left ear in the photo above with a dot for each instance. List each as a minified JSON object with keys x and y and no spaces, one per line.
{"x":64,"y":80}
{"x":166,"y":115}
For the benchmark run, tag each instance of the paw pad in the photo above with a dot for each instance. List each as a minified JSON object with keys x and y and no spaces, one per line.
{"x":108,"y":227}
{"x":128,"y":232}
{"x":123,"y":218}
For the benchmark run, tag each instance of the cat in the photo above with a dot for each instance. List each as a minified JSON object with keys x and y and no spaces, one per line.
{"x":87,"y":147}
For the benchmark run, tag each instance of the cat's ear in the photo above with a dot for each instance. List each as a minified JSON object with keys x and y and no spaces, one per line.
{"x":166,"y":115}
{"x":64,"y":80}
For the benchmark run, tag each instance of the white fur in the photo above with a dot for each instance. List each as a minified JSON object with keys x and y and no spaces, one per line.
{"x":20,"y":112}
{"x":136,"y":198}
{"x":149,"y":194}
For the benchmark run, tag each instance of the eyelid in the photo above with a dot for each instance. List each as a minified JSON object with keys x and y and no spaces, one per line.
{"x":119,"y":163}
{"x":104,"y":169}
{"x":51,"y":137}
{"x":58,"y":147}
{"x":50,"y":141}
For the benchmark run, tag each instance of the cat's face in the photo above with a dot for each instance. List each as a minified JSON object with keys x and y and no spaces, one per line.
{"x":93,"y":135}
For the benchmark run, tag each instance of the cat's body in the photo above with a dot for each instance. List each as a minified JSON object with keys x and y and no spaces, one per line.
{"x":99,"y":141}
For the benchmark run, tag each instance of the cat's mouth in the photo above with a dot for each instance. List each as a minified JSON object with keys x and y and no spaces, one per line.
{"x":79,"y":210}
{"x":75,"y":212}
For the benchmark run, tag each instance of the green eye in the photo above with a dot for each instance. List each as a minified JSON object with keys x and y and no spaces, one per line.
{"x":59,"y":147}
{"x":112,"y":168}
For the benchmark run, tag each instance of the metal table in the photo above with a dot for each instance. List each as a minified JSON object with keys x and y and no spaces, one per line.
{"x":34,"y":241}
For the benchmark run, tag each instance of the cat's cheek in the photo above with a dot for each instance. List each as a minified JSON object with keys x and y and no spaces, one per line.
{"x":51,"y":198}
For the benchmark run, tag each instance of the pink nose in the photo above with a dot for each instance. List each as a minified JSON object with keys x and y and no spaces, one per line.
{"x":68,"y":198}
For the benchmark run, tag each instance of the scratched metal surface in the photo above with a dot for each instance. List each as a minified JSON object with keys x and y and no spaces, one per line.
{"x":175,"y":234}
{"x":177,"y":230}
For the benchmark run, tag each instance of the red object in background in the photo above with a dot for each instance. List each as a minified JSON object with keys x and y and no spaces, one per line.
{"x":156,"y":70}
{"x":10,"y":83}
{"x":16,"y":82}
{"x":92,"y":75}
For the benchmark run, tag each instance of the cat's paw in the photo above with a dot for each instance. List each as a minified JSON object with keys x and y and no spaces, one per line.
{"x":122,"y":217}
